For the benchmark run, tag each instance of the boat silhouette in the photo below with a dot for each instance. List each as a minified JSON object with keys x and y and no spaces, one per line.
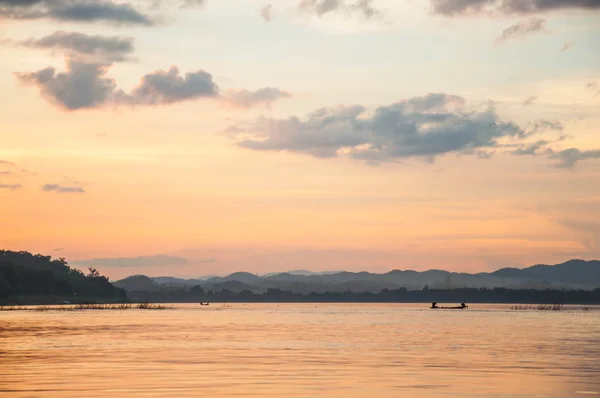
{"x":462,"y":306}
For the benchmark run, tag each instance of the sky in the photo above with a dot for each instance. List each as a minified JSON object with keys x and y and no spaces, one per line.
{"x":205,"y":137}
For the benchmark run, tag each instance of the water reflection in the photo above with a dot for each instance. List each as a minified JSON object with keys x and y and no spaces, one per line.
{"x":300,"y":350}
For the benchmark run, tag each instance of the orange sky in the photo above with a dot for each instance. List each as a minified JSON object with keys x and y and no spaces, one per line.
{"x":138,"y":179}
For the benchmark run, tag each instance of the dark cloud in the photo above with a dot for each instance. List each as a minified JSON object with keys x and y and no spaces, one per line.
{"x":83,"y":85}
{"x":466,"y":7}
{"x":266,"y":13}
{"x":522,"y":29}
{"x":62,"y":189}
{"x":423,"y":127}
{"x":109,"y":48}
{"x":74,"y":10}
{"x":570,"y":157}
{"x":322,"y":7}
{"x":11,"y":187}
{"x":86,"y":85}
{"x":167,"y":87}
{"x":141,"y":261}
{"x":249,"y":98}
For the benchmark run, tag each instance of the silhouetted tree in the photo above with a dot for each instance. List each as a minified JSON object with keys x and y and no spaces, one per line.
{"x":197,"y":291}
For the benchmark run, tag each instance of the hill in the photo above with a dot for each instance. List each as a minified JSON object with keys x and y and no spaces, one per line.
{"x":34,"y":278}
{"x":573,"y":274}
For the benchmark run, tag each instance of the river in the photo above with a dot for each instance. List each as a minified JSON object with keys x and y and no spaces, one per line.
{"x":301,"y":350}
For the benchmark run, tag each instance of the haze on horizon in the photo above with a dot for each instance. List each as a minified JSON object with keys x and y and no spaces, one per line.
{"x":153,"y":138}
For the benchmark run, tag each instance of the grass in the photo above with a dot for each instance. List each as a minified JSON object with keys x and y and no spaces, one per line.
{"x":83,"y":307}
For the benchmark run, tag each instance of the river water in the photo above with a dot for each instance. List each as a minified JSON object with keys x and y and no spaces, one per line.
{"x":301,"y":350}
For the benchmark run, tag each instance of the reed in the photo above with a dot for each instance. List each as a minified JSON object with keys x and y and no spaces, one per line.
{"x":540,"y":307}
{"x":84,"y":307}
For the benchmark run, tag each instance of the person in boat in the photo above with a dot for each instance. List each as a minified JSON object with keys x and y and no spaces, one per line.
{"x":434,"y":305}
{"x":463,"y":305}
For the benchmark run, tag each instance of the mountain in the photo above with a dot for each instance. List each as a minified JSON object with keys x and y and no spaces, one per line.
{"x":575,"y":274}
{"x":572,"y":272}
{"x":138,"y":283}
{"x":301,"y":272}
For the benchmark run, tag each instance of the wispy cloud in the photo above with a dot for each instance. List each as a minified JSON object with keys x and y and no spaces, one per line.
{"x":62,"y":189}
{"x":11,"y":187}
{"x":102,"y":48}
{"x":266,"y":13}
{"x":593,"y":86}
{"x":323,"y":7}
{"x":7,"y":163}
{"x":470,"y":7}
{"x":140,"y":261}
{"x":567,"y":47}
{"x":250,"y":98}
{"x":529,"y":101}
{"x":570,"y":157}
{"x":522,"y":29}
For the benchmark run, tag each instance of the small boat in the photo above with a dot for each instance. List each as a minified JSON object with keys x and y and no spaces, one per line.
{"x":204,"y":303}
{"x":462,"y":306}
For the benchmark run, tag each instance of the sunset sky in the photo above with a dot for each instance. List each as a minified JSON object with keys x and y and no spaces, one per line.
{"x":190,"y":137}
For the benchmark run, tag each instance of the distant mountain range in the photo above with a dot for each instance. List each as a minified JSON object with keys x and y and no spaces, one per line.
{"x":574,"y":274}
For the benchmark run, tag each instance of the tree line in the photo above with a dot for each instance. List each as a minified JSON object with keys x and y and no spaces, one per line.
{"x":24,"y":275}
{"x":401,"y":295}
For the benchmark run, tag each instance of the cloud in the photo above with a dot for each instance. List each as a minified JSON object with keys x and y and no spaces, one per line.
{"x":61,"y":189}
{"x":587,"y":231}
{"x":541,"y":125}
{"x":7,"y":163}
{"x":593,"y":86}
{"x":366,"y":8}
{"x":167,"y":87}
{"x":140,"y":261}
{"x":422,"y":127}
{"x":249,"y":98}
{"x":74,"y":11}
{"x":531,"y":149}
{"x":109,"y":48}
{"x":508,"y":7}
{"x":322,"y":7}
{"x":568,"y":158}
{"x":566,"y":47}
{"x":266,"y":13}
{"x":522,"y":29}
{"x":529,"y":101}
{"x":85,"y":85}
{"x":12,"y":187}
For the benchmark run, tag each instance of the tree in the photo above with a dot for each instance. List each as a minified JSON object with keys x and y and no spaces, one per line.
{"x":93,"y":273}
{"x":197,"y":291}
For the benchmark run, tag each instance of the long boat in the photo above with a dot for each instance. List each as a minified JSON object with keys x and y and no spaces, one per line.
{"x":460,"y":307}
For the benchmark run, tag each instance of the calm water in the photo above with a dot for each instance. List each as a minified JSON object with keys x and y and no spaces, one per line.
{"x":301,"y":350}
